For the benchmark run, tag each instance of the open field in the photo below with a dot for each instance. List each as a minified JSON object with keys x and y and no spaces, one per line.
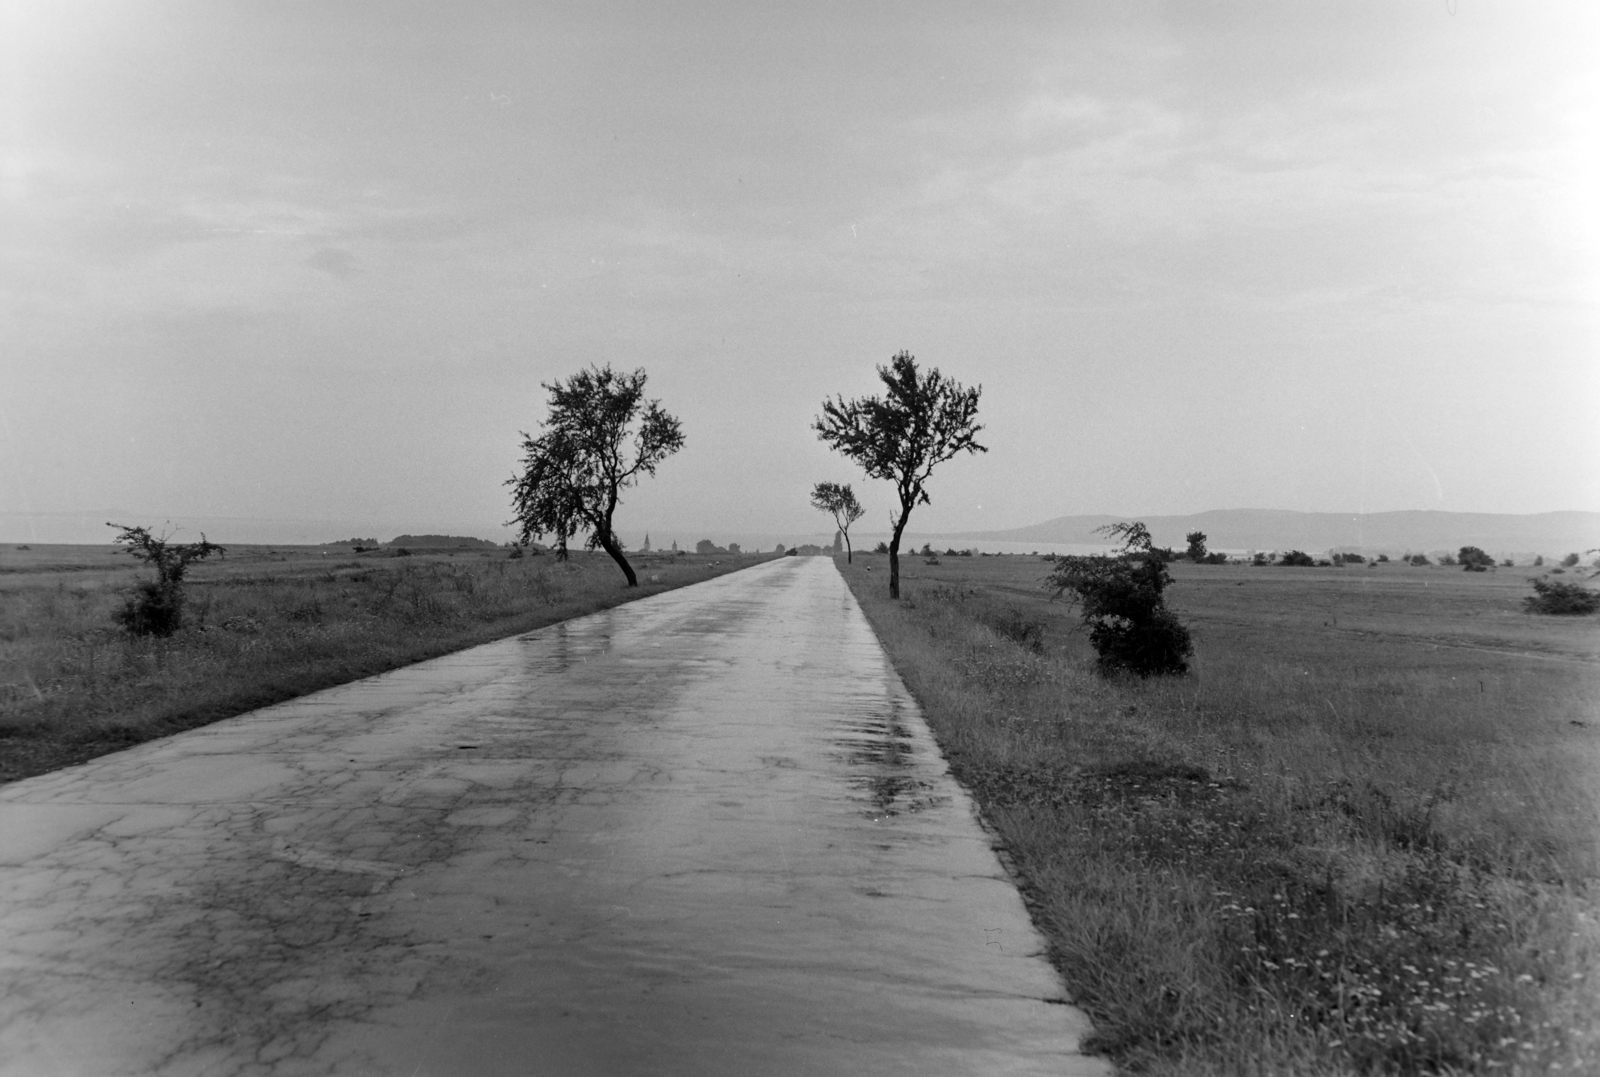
{"x":263,"y":625}
{"x":1360,"y":836}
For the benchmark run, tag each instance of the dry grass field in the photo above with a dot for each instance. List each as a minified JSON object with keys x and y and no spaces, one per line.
{"x":263,"y":625}
{"x":1359,"y":837}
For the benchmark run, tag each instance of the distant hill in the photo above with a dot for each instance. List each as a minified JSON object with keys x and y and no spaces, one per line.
{"x":1548,"y":533}
{"x":452,"y":541}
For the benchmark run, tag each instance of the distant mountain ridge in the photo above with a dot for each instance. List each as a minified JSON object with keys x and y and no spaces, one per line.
{"x":1419,"y":530}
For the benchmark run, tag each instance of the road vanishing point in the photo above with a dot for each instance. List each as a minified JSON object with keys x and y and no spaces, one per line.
{"x":706,"y":833}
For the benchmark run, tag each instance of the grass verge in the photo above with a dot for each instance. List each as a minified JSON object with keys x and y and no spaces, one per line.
{"x":265,"y":626}
{"x":1328,"y":850}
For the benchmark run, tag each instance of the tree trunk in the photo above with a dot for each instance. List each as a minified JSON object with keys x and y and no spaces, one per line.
{"x":894,"y":555}
{"x":609,"y":543}
{"x":849,"y":555}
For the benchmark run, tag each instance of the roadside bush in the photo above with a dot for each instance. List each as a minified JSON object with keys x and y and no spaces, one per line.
{"x":1297,"y":558}
{"x":155,"y":608}
{"x":1123,"y":607}
{"x":1554,"y":597}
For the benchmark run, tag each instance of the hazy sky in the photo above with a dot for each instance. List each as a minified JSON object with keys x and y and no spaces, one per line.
{"x":314,"y":259}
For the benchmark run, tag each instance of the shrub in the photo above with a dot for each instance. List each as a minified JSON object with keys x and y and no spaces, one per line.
{"x":1383,"y":558}
{"x":1419,"y":559}
{"x":882,"y":547}
{"x":1569,"y":561}
{"x":1129,"y":625}
{"x":1571,"y":599}
{"x":1446,"y":559}
{"x":1197,"y":546}
{"x":1538,"y":562}
{"x":1474,"y":560}
{"x":155,"y":608}
{"x":1215,"y":558}
{"x":1298,"y":558}
{"x":1259,"y":558}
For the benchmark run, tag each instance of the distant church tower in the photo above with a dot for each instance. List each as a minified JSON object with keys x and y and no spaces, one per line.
{"x":646,"y":547}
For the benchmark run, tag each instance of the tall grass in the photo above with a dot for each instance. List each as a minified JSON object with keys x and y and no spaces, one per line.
{"x":73,"y":685}
{"x":1310,"y":856}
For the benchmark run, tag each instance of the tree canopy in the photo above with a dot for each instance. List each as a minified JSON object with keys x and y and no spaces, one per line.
{"x":840,"y":502}
{"x":600,"y":436}
{"x":922,"y":420}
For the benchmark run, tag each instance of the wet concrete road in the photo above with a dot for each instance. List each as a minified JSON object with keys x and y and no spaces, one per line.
{"x":706,"y":833}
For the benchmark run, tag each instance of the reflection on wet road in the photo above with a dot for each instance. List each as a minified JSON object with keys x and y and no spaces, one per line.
{"x":705,"y":833}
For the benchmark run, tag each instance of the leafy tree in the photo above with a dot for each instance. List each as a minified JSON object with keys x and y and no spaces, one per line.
{"x":156,"y":606}
{"x":1474,"y":560}
{"x":840,"y":502}
{"x":1197,"y":546}
{"x":1569,"y":561}
{"x":600,"y":436}
{"x":1298,"y":558}
{"x":921,"y":421}
{"x":1122,"y":602}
